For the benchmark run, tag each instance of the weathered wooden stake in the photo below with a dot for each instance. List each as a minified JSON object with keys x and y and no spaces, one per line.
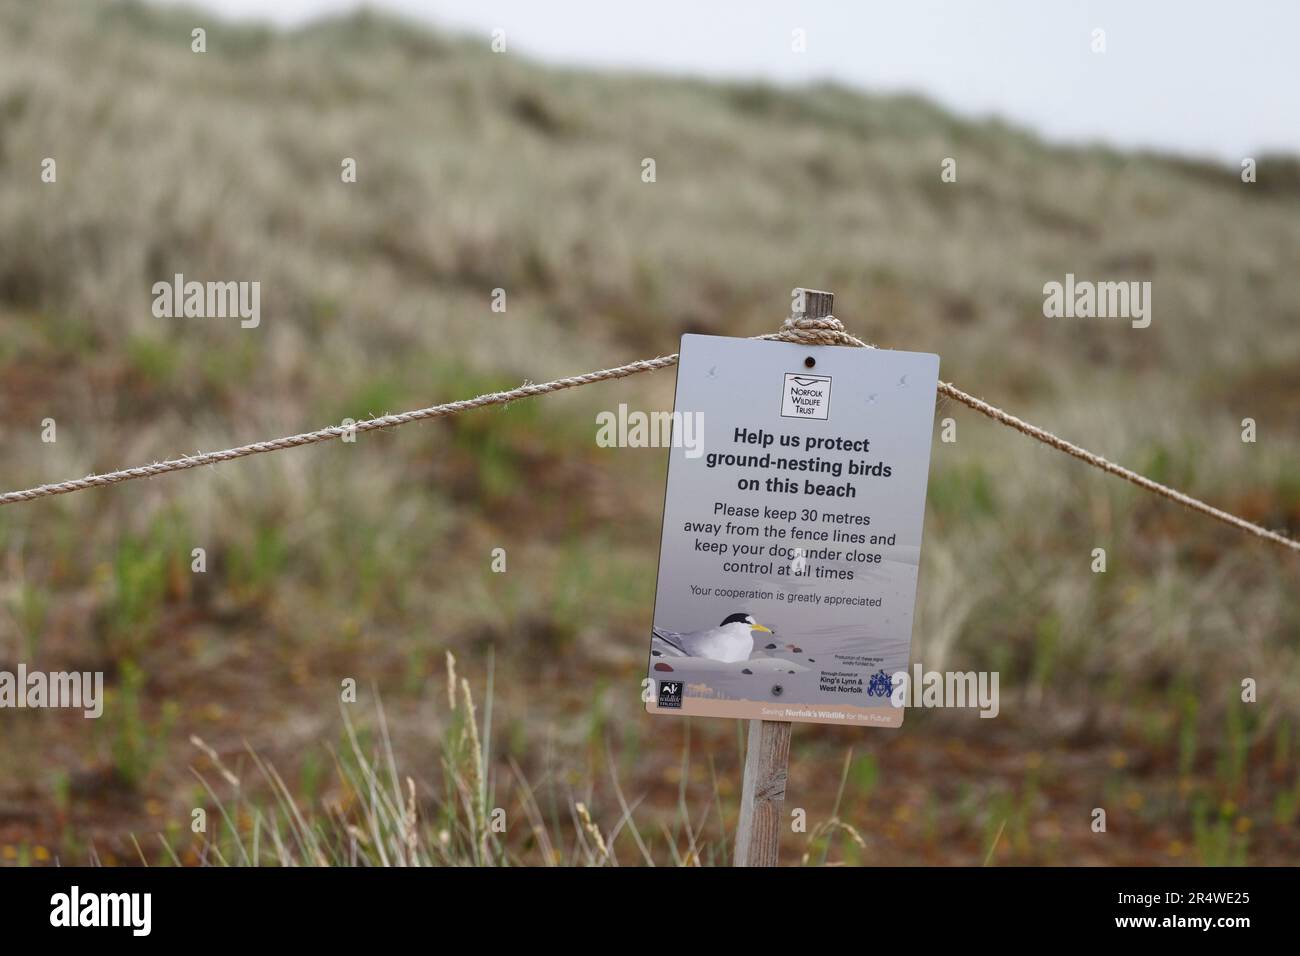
{"x":767,"y":755}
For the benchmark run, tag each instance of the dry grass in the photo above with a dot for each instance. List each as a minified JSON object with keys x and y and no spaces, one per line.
{"x":373,"y":816}
{"x":370,"y":560}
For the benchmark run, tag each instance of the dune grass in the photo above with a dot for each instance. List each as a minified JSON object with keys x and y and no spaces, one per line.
{"x":370,"y":560}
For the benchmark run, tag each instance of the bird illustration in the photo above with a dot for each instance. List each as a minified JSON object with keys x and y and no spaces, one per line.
{"x":729,"y":642}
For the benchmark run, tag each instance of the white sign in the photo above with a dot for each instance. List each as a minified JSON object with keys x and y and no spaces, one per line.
{"x":788,"y":563}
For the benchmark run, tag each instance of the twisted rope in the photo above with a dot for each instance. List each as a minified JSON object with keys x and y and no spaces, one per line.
{"x":798,"y":329}
{"x":830,"y":331}
{"x":335,"y":431}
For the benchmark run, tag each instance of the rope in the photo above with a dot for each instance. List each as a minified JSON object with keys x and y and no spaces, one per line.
{"x":335,"y":431}
{"x":805,"y":331}
{"x":830,"y":331}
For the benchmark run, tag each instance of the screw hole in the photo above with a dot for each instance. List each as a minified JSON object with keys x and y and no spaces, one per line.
{"x":809,"y":362}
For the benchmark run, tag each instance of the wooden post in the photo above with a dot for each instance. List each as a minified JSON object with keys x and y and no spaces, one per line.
{"x":767,"y":755}
{"x":762,"y":793}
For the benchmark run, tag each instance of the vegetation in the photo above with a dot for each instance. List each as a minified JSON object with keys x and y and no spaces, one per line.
{"x":371,"y":560}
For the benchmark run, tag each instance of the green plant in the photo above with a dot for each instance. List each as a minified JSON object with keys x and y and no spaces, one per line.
{"x":139,"y":585}
{"x":137,"y":742}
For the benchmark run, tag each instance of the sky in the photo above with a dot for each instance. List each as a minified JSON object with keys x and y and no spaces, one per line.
{"x":1195,"y":77}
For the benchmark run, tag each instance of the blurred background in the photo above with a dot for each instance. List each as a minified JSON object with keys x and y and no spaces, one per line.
{"x":522,"y":170}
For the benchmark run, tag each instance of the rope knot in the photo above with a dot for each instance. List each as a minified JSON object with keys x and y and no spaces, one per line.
{"x":808,"y":331}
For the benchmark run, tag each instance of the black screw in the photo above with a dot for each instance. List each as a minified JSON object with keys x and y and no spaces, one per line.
{"x":809,"y":362}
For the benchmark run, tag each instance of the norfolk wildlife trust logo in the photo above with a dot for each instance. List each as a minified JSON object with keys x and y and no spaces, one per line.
{"x":806,"y":396}
{"x":57,"y":690}
{"x":670,"y":694}
{"x":208,"y":300}
{"x":1103,"y":300}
